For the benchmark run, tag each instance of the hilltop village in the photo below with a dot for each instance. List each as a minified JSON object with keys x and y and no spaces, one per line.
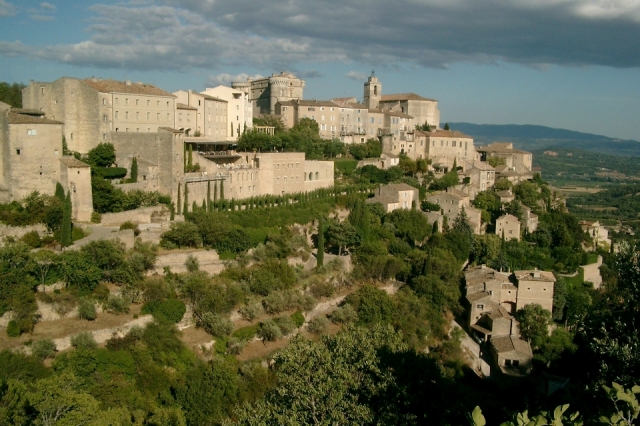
{"x":231,"y":222}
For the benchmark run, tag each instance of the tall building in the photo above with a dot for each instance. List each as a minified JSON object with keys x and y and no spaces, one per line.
{"x":239,"y":115}
{"x":266,"y":92}
{"x":209,"y":118}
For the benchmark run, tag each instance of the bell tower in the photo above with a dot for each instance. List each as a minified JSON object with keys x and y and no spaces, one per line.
{"x":372,"y":92}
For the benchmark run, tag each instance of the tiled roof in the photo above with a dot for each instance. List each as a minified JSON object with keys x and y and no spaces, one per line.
{"x":447,"y":134}
{"x":401,"y":187}
{"x":113,"y":86}
{"x":73,"y":162}
{"x":185,"y":106}
{"x":14,"y":118}
{"x":535,"y":275}
{"x":212,"y":98}
{"x":313,"y":103}
{"x":501,"y":148}
{"x":474,"y":297}
{"x":404,"y":97}
{"x":506,"y":344}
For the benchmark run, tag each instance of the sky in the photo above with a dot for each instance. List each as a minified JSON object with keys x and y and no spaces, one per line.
{"x":572,"y":64}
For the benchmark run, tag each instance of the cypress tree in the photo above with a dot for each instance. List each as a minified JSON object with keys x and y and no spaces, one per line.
{"x":190,"y":161}
{"x":204,"y":206}
{"x":185,"y":209}
{"x":222,"y":189}
{"x":134,"y":170}
{"x":59,"y":192}
{"x":208,"y":195}
{"x":320,"y":255}
{"x":65,"y":230}
{"x":215,"y":191}
{"x":179,"y":203}
{"x":173,"y":212}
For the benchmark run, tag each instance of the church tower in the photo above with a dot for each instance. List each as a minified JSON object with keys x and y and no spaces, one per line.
{"x":372,"y":92}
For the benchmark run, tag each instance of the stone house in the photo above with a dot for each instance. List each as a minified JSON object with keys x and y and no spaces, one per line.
{"x":535,"y":287}
{"x":530,"y":219}
{"x":95,"y":110}
{"x":512,"y":355}
{"x":597,"y":232}
{"x":239,"y":109}
{"x":516,"y":160}
{"x":481,"y":175}
{"x":264,"y":93}
{"x":327,"y":114}
{"x":506,"y":196}
{"x":210,"y":119}
{"x":444,"y":147}
{"x":75,"y":178}
{"x":508,"y":226}
{"x":396,"y":196}
{"x":389,"y":160}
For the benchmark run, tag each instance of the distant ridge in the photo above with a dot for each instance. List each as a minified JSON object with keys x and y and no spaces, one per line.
{"x":532,"y":137}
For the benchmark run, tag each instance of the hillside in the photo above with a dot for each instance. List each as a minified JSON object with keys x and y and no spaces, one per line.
{"x":533,"y":138}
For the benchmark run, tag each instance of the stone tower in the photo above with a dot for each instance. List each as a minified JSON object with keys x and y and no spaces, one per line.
{"x":372,"y":92}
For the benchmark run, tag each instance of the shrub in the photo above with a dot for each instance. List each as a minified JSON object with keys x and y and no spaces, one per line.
{"x":318,"y":325}
{"x":322,"y":289}
{"x":77,"y":233}
{"x":251,"y":312}
{"x":269,"y":330}
{"x":111,"y":172}
{"x":117,"y":305}
{"x":246,"y":333}
{"x":130,"y":225}
{"x":216,"y":325}
{"x":344,"y":315}
{"x":96,"y":217}
{"x":170,"y":310}
{"x":181,"y":234}
{"x":43,"y":349}
{"x":235,"y":345}
{"x":13,"y":329}
{"x":298,"y":318}
{"x":32,"y":239}
{"x":101,"y":292}
{"x":280,"y":301}
{"x":87,"y":310}
{"x":83,"y":340}
{"x":286,"y":324}
{"x":192,"y":263}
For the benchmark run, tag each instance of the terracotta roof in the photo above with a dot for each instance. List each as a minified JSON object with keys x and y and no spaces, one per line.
{"x":27,"y":111}
{"x":113,"y":86}
{"x":313,"y":103}
{"x":185,"y":106}
{"x":404,"y":97}
{"x":345,"y":101}
{"x":510,"y":344}
{"x":481,"y":165}
{"x":14,"y":118}
{"x":390,"y":155}
{"x":212,"y":98}
{"x":501,"y":148}
{"x":401,"y":187}
{"x":447,"y":134}
{"x":474,"y":297}
{"x":509,"y":217}
{"x":382,"y":199}
{"x":73,"y":162}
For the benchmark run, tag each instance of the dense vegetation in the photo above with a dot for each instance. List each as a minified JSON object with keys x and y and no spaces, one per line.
{"x":11,"y":94}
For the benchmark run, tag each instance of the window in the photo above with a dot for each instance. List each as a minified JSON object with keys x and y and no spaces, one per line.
{"x":137,"y":101}
{"x":453,"y":144}
{"x":148,"y":102}
{"x":284,"y":108}
{"x":104,"y":101}
{"x":18,"y":150}
{"x":167,"y":104}
{"x":157,"y":103}
{"x":158,"y":116}
{"x":104,"y":136}
{"x":116,"y":114}
{"x":42,"y":90}
{"x":126,"y":101}
{"x":31,"y":132}
{"x":104,"y":118}
{"x":126,"y":114}
{"x":479,"y":306}
{"x":148,"y":115}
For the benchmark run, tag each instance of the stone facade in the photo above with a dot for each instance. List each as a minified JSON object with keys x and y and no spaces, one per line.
{"x":239,"y":109}
{"x":75,"y":177}
{"x":396,"y":196}
{"x":265,"y":93}
{"x":511,"y":355}
{"x":518,"y":165}
{"x":327,"y":114}
{"x":210,"y":117}
{"x":93,"y":109}
{"x":535,"y":287}
{"x":508,"y":226}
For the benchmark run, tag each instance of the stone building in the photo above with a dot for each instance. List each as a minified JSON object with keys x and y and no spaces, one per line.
{"x":518,"y":165}
{"x":535,"y":287}
{"x":396,"y":196}
{"x":444,"y":147}
{"x":508,"y":226}
{"x":32,"y":161}
{"x":530,"y":219}
{"x":481,"y":175}
{"x":326,"y":113}
{"x":512,"y":355}
{"x":239,"y":109}
{"x":209,"y":119}
{"x":421,"y":109}
{"x":452,"y":203}
{"x":597,"y":232}
{"x":266,"y":92}
{"x":95,"y":110}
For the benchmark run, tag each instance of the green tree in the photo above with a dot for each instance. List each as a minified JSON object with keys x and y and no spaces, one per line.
{"x":181,"y":234}
{"x":320,"y":255}
{"x":534,"y":322}
{"x":185,"y":208}
{"x":372,"y":305}
{"x":103,"y":155}
{"x":341,"y":235}
{"x":446,"y":126}
{"x":65,"y":230}
{"x":134,"y":170}
{"x":59,"y":194}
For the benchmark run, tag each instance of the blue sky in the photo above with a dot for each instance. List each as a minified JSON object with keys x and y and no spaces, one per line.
{"x":573,"y":64}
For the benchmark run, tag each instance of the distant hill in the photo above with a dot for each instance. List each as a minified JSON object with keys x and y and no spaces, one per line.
{"x":533,"y":138}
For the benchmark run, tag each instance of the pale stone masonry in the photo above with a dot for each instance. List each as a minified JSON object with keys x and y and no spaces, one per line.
{"x":535,"y":287}
{"x":75,"y":178}
{"x":266,"y":92}
{"x":327,"y":114}
{"x":94,"y":110}
{"x":396,"y":196}
{"x":208,"y":120}
{"x":239,"y":110}
{"x":508,"y":226}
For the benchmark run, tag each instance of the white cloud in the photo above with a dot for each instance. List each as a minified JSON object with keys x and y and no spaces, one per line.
{"x":48,"y":6}
{"x":354,"y":75}
{"x":7,"y":9}
{"x":227,"y":79}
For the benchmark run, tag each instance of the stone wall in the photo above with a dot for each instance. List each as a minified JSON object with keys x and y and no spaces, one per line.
{"x":208,"y":260}
{"x":19,"y":231}
{"x":142,"y":215}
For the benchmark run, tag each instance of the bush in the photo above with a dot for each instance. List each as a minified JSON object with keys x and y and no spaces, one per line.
{"x":269,"y":330}
{"x":251,"y":312}
{"x":246,"y":333}
{"x":87,"y":310}
{"x":170,"y":310}
{"x":235,"y":345}
{"x":318,"y":325}
{"x":101,"y":292}
{"x":84,"y":340}
{"x":32,"y":239}
{"x":111,"y":172}
{"x":322,"y":289}
{"x":77,"y":233}
{"x":43,"y":349}
{"x":181,"y":234}
{"x":298,"y":319}
{"x":117,"y":305}
{"x":96,"y":217}
{"x":280,"y":301}
{"x":344,"y":315}
{"x":216,"y":325}
{"x":130,"y":225}
{"x":192,"y":263}
{"x":13,"y":329}
{"x":286,"y":324}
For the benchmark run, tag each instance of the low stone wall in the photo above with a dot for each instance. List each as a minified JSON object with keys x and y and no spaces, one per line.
{"x":145,"y":185}
{"x":126,"y":236}
{"x":19,"y":231}
{"x":208,"y":260}
{"x":157,"y":213}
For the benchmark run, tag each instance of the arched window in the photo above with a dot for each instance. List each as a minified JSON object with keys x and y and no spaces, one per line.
{"x":375,"y":90}
{"x":310,"y":176}
{"x":317,"y":175}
